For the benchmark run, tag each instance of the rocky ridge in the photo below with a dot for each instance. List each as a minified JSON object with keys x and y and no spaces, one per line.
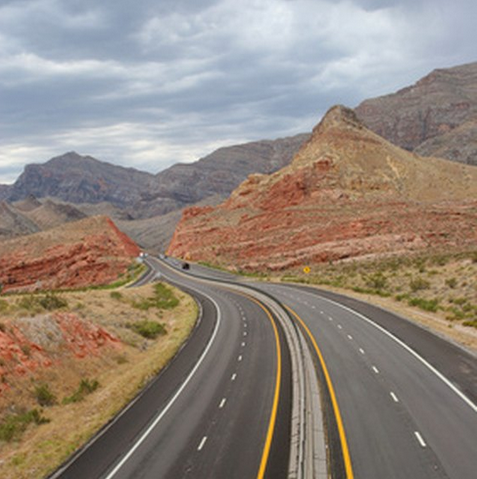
{"x":434,"y":117}
{"x":88,"y":252}
{"x":347,"y":193}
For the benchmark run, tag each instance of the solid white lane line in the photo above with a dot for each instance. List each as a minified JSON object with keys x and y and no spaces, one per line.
{"x":222,"y":403}
{"x":240,"y":358}
{"x":409,"y":350}
{"x":375,"y":369}
{"x":350,"y":337}
{"x":395,"y":398}
{"x":419,"y":438}
{"x":176,"y":395}
{"x":361,"y":350}
{"x":234,"y":375}
{"x":201,"y":445}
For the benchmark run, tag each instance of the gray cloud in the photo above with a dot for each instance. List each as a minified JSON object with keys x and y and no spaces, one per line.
{"x":158,"y":82}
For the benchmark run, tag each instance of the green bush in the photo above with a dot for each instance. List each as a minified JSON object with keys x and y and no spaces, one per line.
{"x":86,"y":387}
{"x":14,"y":425}
{"x":116,"y":295}
{"x":418,"y":284}
{"x":377,"y":281}
{"x":148,"y":329}
{"x":163,"y":298}
{"x":425,"y":304}
{"x":36,"y":304}
{"x":451,"y":282}
{"x":44,"y":396}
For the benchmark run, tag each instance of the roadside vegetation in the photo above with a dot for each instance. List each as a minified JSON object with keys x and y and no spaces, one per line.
{"x":39,"y":408}
{"x":444,"y":284}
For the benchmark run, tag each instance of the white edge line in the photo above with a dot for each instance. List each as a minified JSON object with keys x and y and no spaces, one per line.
{"x":419,"y":438}
{"x":408,"y":349}
{"x":174,"y":398}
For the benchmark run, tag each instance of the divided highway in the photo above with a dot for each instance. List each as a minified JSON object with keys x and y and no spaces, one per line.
{"x":220,"y":410}
{"x":398,"y":401}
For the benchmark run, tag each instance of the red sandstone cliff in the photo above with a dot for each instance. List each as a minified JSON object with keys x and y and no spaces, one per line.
{"x":348,"y":192}
{"x":87,"y":252}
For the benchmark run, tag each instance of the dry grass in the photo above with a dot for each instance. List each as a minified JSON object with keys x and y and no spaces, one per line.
{"x":121,"y":372}
{"x":438,"y":290}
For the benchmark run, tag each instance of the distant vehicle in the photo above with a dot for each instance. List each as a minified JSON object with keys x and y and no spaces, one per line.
{"x":143,"y":255}
{"x":185,"y":265}
{"x":162,"y":256}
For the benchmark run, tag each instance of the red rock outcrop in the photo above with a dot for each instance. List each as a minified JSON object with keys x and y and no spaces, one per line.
{"x":347,"y":193}
{"x":87,"y":252}
{"x":33,"y":344}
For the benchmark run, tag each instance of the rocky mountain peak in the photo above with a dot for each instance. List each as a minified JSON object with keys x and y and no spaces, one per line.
{"x":338,"y":116}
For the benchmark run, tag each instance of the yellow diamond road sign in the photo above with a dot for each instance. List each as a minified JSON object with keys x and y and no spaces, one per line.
{"x":306,"y":269}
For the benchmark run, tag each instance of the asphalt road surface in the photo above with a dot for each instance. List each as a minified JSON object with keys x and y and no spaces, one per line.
{"x":209,"y":414}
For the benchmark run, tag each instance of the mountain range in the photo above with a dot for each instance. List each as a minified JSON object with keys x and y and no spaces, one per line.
{"x":437,"y":116}
{"x":347,"y":193}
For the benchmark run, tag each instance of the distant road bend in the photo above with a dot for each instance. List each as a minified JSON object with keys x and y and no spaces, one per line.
{"x":241,"y":399}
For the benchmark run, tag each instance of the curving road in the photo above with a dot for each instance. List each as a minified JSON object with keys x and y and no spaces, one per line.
{"x":210,"y":413}
{"x":399,"y":402}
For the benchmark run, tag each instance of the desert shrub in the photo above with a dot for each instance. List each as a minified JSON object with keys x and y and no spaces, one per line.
{"x":37,"y":304}
{"x":417,"y":284}
{"x":44,"y":396}
{"x":14,"y":425}
{"x":148,"y":329}
{"x":425,"y":304}
{"x":85,"y":387}
{"x":3,"y":305}
{"x":116,"y":295}
{"x":163,"y":298}
{"x":377,"y":281}
{"x":472,"y":323}
{"x":451,"y":283}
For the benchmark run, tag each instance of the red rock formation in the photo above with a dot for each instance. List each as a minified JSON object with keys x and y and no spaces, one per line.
{"x":347,"y":193}
{"x":87,"y":252}
{"x":21,"y":355}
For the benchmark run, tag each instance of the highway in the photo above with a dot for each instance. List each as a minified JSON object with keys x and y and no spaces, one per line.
{"x":407,"y":398}
{"x":221,"y":409}
{"x":398,"y":401}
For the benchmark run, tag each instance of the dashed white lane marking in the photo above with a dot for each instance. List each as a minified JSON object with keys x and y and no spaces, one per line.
{"x":375,"y":369}
{"x":395,"y":398}
{"x":350,"y":337}
{"x":321,"y":312}
{"x":243,"y":344}
{"x":361,"y":350}
{"x":240,"y":358}
{"x":234,"y":375}
{"x":339,"y":326}
{"x":419,"y":438}
{"x":244,"y":325}
{"x":201,"y":445}
{"x":330,"y":318}
{"x":245,"y":333}
{"x":222,"y":403}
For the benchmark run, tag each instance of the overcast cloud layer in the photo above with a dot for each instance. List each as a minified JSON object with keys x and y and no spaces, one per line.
{"x":153,"y":82}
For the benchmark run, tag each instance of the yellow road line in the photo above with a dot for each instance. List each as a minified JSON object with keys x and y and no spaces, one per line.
{"x":336,"y":409}
{"x":273,"y":416}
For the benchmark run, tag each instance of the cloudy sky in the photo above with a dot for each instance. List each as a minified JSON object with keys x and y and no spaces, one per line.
{"x":148,"y":83}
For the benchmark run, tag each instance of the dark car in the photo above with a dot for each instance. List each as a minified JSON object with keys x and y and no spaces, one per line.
{"x":185,"y":266}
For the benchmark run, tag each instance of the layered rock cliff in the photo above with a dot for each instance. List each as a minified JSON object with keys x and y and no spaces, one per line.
{"x":84,"y":253}
{"x":348,"y":192}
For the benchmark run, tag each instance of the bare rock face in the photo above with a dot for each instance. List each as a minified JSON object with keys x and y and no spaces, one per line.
{"x":87,"y":252}
{"x":347,"y":193}
{"x":432,"y":109}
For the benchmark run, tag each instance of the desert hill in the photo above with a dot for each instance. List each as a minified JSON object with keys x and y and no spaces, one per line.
{"x":87,"y":252}
{"x":437,"y":116}
{"x":31,"y":216}
{"x":347,"y":193}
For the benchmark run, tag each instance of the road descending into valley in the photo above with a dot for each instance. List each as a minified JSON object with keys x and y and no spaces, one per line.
{"x":397,"y":402}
